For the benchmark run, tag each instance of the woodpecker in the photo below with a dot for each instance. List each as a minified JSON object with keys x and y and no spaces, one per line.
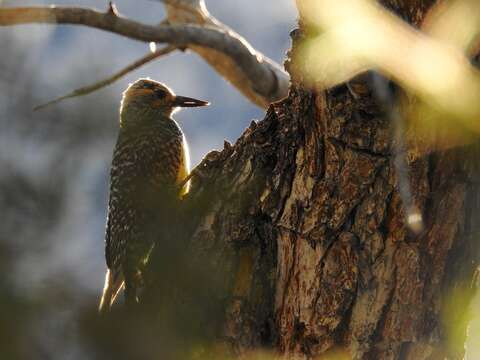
{"x":150,"y":166}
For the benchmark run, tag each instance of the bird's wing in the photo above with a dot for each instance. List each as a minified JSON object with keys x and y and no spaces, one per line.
{"x":108,"y":242}
{"x":143,"y":183}
{"x":119,"y":207}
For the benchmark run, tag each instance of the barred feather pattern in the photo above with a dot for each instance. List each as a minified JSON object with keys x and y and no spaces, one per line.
{"x":149,"y":163}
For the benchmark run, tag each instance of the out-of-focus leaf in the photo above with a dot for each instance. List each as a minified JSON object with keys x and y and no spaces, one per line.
{"x":360,"y":35}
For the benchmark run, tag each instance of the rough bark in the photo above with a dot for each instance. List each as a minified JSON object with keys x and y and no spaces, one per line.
{"x":297,"y":236}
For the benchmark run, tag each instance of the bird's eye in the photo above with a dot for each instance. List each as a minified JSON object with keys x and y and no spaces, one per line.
{"x":161,"y":93}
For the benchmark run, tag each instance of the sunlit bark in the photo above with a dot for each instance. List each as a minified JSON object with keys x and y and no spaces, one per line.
{"x":297,"y":231}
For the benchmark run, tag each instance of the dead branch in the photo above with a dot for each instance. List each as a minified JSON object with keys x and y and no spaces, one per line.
{"x":195,"y":12}
{"x":111,"y":79}
{"x":265,"y":81}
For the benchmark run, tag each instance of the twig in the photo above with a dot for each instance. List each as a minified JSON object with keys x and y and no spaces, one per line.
{"x":187,"y":179}
{"x":105,"y":82}
{"x":112,"y":9}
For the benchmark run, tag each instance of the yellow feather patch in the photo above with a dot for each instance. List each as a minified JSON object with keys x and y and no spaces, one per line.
{"x":184,"y":170}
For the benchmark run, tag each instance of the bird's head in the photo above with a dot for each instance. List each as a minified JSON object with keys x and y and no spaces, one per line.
{"x":148,"y":97}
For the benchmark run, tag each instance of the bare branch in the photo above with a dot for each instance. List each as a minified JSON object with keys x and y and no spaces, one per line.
{"x":264,"y":78}
{"x":195,"y":12}
{"x":105,"y":82}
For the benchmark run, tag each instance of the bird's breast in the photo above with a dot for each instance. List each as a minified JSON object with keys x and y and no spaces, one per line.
{"x":172,"y":162}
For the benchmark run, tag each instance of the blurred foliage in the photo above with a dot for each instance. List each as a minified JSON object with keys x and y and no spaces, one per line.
{"x":456,"y":316}
{"x":434,"y":66}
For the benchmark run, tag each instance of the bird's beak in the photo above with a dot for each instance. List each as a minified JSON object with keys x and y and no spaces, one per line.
{"x":184,"y":101}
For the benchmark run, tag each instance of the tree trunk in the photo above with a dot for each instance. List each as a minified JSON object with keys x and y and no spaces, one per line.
{"x":297,"y":239}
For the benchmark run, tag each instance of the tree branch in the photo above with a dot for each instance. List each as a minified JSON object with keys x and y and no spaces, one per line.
{"x":195,"y":12}
{"x":105,"y":82}
{"x":266,"y":81}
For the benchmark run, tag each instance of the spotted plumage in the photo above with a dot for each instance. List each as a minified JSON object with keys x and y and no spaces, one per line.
{"x":150,"y":163}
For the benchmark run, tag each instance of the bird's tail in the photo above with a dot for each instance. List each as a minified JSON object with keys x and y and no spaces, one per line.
{"x":110,"y":291}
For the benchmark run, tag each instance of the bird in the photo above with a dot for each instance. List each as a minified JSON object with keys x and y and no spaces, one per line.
{"x":150,"y":166}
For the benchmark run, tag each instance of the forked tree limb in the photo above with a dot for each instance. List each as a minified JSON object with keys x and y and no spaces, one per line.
{"x":266,"y":81}
{"x":182,"y":12}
